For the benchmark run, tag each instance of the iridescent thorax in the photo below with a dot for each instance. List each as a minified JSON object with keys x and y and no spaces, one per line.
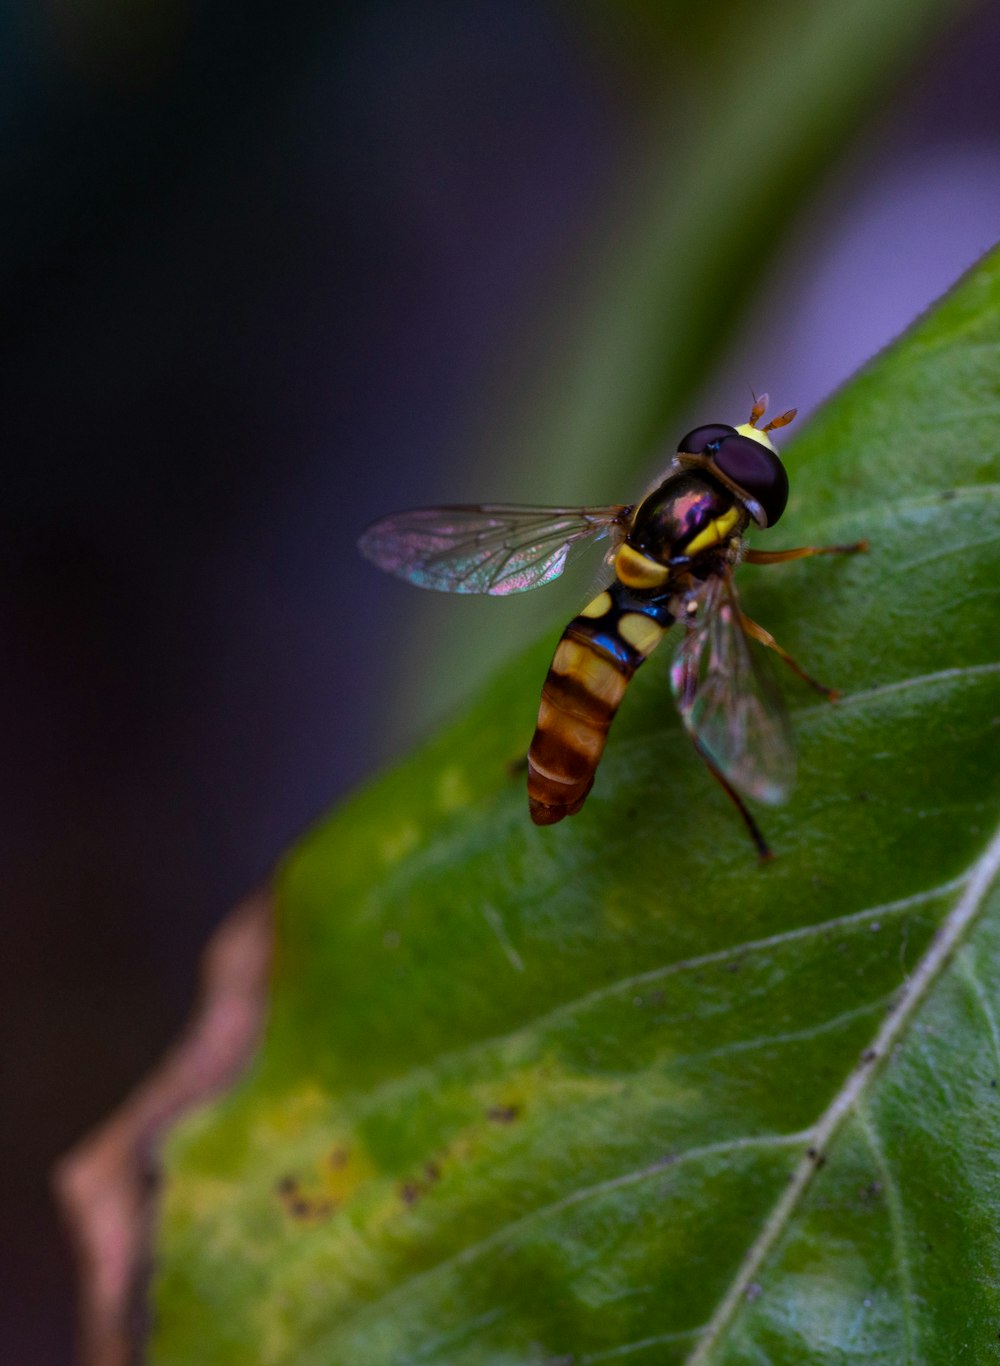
{"x":677,"y":513}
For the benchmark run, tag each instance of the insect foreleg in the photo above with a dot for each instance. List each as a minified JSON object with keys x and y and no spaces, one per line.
{"x":802,"y":552}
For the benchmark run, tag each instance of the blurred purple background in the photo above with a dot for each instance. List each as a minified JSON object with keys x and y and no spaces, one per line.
{"x":256,"y":266}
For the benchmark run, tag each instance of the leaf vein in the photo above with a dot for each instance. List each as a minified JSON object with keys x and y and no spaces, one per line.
{"x":654,"y":976}
{"x":813,"y":1031}
{"x":503,"y":1232}
{"x":968,"y":970}
{"x":903,"y":684}
{"x":627,"y":1348}
{"x":894,"y":1204}
{"x":850,"y":1095}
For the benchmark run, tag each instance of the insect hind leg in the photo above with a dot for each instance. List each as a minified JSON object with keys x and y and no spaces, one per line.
{"x":764,"y":852}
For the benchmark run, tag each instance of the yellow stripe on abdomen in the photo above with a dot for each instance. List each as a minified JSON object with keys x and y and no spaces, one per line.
{"x":579,"y":700}
{"x":592,"y":666}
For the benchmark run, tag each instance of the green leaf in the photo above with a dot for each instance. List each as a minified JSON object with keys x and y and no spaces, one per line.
{"x":610,"y":1090}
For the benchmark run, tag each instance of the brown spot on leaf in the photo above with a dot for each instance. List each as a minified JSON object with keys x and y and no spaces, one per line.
{"x":299,"y":1204}
{"x":503,"y":1114}
{"x":339,"y":1157}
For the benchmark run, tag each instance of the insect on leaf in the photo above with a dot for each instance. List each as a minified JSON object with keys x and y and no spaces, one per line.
{"x":609,"y":1091}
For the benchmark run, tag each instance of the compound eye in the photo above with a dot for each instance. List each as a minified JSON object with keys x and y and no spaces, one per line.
{"x":698,"y":441}
{"x":755,"y":471}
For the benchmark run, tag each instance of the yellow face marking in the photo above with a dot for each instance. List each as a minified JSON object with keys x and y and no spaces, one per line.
{"x":755,"y":434}
{"x":715,"y":532}
{"x":637,"y":570}
{"x":641,"y":632}
{"x":600,"y":607}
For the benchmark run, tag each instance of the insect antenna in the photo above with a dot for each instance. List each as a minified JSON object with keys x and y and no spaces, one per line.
{"x":781,"y":421}
{"x":758,"y":410}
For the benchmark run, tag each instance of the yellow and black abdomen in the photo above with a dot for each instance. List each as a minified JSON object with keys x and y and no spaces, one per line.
{"x":593,"y":664}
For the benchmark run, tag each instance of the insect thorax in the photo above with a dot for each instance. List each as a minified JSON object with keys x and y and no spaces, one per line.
{"x":690,"y":512}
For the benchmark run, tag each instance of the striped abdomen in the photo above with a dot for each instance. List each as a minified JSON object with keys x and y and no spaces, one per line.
{"x":594,"y":661}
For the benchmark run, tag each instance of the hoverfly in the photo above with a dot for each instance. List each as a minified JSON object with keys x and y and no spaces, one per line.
{"x":671,"y":559}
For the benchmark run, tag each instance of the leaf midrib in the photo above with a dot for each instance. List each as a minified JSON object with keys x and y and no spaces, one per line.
{"x":956,"y":925}
{"x":503,"y":1232}
{"x":974,"y":884}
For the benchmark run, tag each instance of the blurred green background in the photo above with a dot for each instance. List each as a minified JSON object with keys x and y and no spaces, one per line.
{"x":268,"y":274}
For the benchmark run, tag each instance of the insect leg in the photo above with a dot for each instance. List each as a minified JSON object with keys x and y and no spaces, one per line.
{"x":751,"y":628}
{"x":801,"y":552}
{"x":763,"y":848}
{"x":765,"y":638}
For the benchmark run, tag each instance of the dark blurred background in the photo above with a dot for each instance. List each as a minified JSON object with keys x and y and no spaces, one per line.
{"x":260,"y":264}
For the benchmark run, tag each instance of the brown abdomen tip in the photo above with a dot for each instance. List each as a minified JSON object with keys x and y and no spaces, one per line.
{"x":542,"y":813}
{"x":545,"y":815}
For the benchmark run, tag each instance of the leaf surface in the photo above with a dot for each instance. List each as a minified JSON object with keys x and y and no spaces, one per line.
{"x":609,"y":1090}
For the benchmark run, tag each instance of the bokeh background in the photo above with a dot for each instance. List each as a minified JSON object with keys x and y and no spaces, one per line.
{"x":267,"y":273}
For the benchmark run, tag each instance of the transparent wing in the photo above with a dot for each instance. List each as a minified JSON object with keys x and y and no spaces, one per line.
{"x":729,"y":701}
{"x":487,"y":548}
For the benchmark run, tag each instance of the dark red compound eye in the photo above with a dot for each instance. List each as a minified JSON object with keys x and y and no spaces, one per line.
{"x":755,"y":471}
{"x":698,"y":441}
